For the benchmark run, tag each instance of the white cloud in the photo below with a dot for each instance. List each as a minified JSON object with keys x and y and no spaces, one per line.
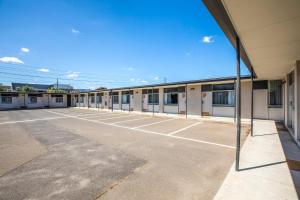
{"x":207,"y":39}
{"x":73,"y":74}
{"x":156,"y":78}
{"x":46,"y":70}
{"x":75,"y":31}
{"x":138,"y":80}
{"x":11,"y":60}
{"x":25,"y":50}
{"x":128,"y":68}
{"x":187,"y":53}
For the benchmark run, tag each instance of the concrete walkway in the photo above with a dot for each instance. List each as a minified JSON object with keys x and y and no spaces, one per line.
{"x":265,"y":173}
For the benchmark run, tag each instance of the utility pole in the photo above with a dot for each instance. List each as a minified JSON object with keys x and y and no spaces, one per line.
{"x":57,"y":85}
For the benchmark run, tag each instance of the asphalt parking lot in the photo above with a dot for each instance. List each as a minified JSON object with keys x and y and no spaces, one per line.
{"x":86,"y":154}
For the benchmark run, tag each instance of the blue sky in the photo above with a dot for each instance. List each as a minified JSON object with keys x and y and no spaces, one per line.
{"x":111,"y":43}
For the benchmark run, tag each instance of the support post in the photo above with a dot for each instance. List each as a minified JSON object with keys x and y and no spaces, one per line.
{"x":88,"y":100}
{"x":129,"y":99}
{"x":186,"y":100}
{"x":112,"y":102}
{"x":152,"y":103}
{"x":251,"y":101}
{"x":238,"y":104}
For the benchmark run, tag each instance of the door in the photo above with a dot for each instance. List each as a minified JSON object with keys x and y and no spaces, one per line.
{"x":145,"y":102}
{"x":206,"y":103}
{"x":291,"y":107}
{"x":69,"y":101}
{"x":260,"y":104}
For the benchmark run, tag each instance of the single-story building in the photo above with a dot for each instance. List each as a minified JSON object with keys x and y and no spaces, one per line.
{"x":207,"y":97}
{"x":14,"y":100}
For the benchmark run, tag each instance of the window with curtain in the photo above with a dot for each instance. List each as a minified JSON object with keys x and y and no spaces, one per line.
{"x":275,"y":93}
{"x":226,"y":98}
{"x":33,"y":100}
{"x":59,"y":99}
{"x":81,"y":99}
{"x":115,"y":99}
{"x":171,"y":98}
{"x":153,"y":98}
{"x":125,"y":99}
{"x":92,"y":99}
{"x":6,"y":100}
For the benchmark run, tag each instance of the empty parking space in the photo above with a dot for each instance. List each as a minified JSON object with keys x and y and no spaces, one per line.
{"x":222,"y":133}
{"x":89,"y":154}
{"x":169,"y":126}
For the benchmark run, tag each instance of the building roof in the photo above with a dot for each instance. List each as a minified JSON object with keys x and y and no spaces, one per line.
{"x":230,"y":78}
{"x":38,"y":87}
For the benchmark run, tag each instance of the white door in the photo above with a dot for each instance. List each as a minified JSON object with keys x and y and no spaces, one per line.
{"x":206,"y":103}
{"x":145,"y":102}
{"x":291,"y":107}
{"x":260,"y":104}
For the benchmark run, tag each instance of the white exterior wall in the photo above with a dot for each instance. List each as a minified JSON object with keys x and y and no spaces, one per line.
{"x":53,"y":103}
{"x":15,"y":103}
{"x":172,"y":109}
{"x":223,"y":111}
{"x":182,"y":102}
{"x":38,"y":104}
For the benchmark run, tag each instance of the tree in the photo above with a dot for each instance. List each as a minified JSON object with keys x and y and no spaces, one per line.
{"x":54,"y":90}
{"x":25,"y":89}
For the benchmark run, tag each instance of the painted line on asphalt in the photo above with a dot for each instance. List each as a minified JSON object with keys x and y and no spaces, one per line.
{"x":107,"y":116}
{"x":154,"y":123}
{"x":129,"y":120}
{"x":33,"y":120}
{"x":115,"y":117}
{"x":152,"y":132}
{"x":185,"y":128}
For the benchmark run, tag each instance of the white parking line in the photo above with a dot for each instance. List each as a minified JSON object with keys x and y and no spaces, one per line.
{"x":185,"y":128}
{"x":129,"y":120}
{"x":153,"y":123}
{"x":114,"y":117}
{"x":33,"y":120}
{"x":150,"y":132}
{"x":109,"y":115}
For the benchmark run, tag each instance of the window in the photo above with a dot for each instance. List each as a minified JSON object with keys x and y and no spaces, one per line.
{"x":32,"y":100}
{"x":125,"y":99}
{"x":153,"y":98}
{"x":92,"y":99}
{"x":171,"y":98}
{"x":224,"y":98}
{"x":275,"y":93}
{"x":6,"y":100}
{"x":59,"y":99}
{"x":99,"y":99}
{"x":115,"y":99}
{"x":81,"y":99}
{"x":223,"y":94}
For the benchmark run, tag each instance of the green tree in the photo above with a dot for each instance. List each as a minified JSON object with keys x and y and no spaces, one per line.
{"x":25,"y":89}
{"x":54,"y":90}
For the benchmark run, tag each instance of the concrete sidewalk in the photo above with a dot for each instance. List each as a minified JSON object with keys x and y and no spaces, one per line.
{"x":265,"y":172}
